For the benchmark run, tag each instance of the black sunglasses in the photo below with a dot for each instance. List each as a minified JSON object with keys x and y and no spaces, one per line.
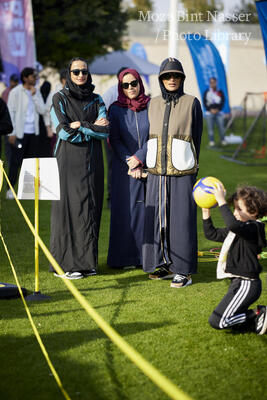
{"x":170,"y":75}
{"x":125,"y":85}
{"x":76,"y":72}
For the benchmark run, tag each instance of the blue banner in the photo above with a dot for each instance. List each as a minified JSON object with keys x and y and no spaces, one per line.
{"x":262,"y":13}
{"x":138,"y":50}
{"x":208,"y":63}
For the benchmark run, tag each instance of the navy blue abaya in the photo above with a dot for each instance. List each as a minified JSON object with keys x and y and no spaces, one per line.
{"x":128,"y":136}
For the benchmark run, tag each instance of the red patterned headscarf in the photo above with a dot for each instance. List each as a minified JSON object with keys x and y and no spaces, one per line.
{"x":137,"y":104}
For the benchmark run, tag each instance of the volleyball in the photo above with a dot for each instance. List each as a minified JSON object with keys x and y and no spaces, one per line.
{"x":203,"y":192}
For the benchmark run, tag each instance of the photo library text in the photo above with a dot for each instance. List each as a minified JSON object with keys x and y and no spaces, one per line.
{"x":182,"y":16}
{"x":165,"y":34}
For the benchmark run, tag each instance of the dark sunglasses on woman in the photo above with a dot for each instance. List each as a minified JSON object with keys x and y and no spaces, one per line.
{"x":125,"y":85}
{"x":170,"y":75}
{"x":77,"y":72}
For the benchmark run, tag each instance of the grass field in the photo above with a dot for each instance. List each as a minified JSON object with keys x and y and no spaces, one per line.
{"x":169,"y":327}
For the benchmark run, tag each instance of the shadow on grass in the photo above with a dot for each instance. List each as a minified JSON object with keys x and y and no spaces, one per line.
{"x":25,"y":374}
{"x":17,"y":311}
{"x":49,"y":313}
{"x":110,"y":363}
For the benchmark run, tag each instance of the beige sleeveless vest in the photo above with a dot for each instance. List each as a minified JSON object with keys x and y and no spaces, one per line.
{"x":170,"y":148}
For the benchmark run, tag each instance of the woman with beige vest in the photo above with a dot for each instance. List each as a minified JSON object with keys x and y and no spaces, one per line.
{"x":170,"y":233}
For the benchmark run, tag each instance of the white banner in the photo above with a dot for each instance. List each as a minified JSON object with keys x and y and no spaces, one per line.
{"x":49,"y":188}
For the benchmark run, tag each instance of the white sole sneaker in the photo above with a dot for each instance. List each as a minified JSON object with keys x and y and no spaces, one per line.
{"x":261,"y":325}
{"x":59,"y":276}
{"x":264,"y":328}
{"x":74,"y":275}
{"x":175,"y":285}
{"x":9,"y":195}
{"x":181,"y":283}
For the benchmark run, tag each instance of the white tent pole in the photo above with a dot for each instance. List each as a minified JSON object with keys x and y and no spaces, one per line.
{"x":173,"y":29}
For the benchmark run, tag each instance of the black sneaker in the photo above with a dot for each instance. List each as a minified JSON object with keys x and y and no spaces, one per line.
{"x":91,"y":272}
{"x":261,"y":320}
{"x":181,"y":281}
{"x":161,"y":273}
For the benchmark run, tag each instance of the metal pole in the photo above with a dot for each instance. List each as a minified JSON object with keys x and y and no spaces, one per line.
{"x":173,"y":29}
{"x":36,"y":295}
{"x":36,"y":187}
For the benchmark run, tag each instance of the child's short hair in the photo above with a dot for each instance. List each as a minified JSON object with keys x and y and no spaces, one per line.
{"x":231,"y":199}
{"x":255,"y":199}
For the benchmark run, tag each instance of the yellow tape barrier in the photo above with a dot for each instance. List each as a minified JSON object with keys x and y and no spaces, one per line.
{"x":208,"y":256}
{"x":148,"y":369}
{"x":54,"y":372}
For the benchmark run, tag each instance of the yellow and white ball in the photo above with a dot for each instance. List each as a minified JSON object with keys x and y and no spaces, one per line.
{"x":203,"y":192}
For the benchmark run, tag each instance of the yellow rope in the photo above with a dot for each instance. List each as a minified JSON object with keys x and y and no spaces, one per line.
{"x":54,"y":372}
{"x":208,"y":256}
{"x":148,"y":369}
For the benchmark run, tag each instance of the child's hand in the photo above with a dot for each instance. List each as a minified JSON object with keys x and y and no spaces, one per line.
{"x":205,"y":213}
{"x":219,"y":193}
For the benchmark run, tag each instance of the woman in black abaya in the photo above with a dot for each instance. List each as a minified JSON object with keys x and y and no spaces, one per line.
{"x":79,"y":116}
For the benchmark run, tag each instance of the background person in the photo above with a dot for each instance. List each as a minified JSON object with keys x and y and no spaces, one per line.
{"x":170,"y":233}
{"x":44,"y":140}
{"x":128,"y":136}
{"x":213,"y":100}
{"x":13,"y":82}
{"x":6,"y":126}
{"x":79,"y":116}
{"x":51,"y":130}
{"x":25,"y":104}
{"x":243,"y":239}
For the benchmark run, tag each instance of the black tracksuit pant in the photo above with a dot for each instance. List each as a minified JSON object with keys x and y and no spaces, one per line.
{"x":233,"y":309}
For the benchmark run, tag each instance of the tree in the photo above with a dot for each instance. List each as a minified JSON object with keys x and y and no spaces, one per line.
{"x":139,"y":5}
{"x":202,"y":6}
{"x":248,"y":8}
{"x":67,"y":28}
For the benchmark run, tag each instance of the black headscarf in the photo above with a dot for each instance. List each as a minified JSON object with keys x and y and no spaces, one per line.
{"x":77,"y":96}
{"x":45,"y":90}
{"x":81,"y":92}
{"x":171,"y":65}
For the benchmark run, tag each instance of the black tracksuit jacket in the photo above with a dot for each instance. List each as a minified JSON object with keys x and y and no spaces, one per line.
{"x":250,"y":238}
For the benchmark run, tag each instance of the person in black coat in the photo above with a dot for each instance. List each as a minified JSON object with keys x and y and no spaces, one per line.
{"x":6,"y":126}
{"x":243,"y":239}
{"x":79,"y":116}
{"x":44,"y":141}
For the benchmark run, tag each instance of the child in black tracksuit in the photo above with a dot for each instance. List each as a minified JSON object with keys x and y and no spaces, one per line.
{"x":243,"y":239}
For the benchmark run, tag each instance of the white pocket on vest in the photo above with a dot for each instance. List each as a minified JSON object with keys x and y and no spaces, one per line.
{"x":151,"y":155}
{"x":182,"y":155}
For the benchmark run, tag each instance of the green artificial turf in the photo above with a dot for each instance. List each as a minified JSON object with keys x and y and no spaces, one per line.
{"x":169,"y":327}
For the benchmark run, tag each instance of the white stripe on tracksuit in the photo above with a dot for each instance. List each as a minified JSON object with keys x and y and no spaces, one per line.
{"x":228,"y":317}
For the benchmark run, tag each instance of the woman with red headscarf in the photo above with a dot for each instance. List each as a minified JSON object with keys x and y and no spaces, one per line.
{"x":128,"y":136}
